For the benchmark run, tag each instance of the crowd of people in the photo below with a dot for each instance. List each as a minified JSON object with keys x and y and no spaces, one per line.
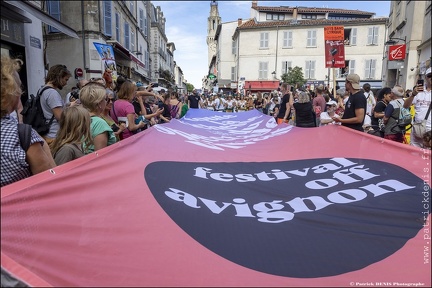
{"x":100,"y":112}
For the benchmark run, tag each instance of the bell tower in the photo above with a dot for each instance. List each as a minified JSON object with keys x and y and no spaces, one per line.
{"x":212,"y":23}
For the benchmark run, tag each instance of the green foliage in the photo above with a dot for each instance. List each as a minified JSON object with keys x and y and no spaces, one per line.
{"x":294,"y":77}
{"x":189,"y":87}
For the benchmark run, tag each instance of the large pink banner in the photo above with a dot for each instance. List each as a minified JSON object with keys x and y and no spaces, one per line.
{"x":225,"y":199}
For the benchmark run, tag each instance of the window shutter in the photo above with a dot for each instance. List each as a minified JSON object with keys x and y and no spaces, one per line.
{"x":126,"y":34}
{"x":307,"y":70}
{"x":117,"y":26}
{"x":367,"y":69}
{"x":312,"y":69}
{"x":309,"y":38}
{"x":373,"y":68}
{"x":290,"y":40}
{"x":107,"y":18}
{"x":54,"y":11}
{"x":353,"y":39}
{"x":370,"y":36}
{"x":375,"y":35}
{"x":351,"y":66}
{"x":314,"y":38}
{"x":285,"y":39}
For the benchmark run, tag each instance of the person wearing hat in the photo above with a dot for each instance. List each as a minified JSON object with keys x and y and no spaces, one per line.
{"x":392,"y":131}
{"x":355,"y":108}
{"x":421,"y":99}
{"x":326,"y":117}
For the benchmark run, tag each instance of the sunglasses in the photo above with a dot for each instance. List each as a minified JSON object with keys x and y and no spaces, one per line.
{"x":109,"y":100}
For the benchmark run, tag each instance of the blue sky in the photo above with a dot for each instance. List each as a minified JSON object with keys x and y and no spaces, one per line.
{"x":186,"y":26}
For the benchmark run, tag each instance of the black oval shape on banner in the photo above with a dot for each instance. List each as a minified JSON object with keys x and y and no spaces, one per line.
{"x":303,"y":218}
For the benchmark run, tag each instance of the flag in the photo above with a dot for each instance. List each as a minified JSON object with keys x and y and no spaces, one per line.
{"x":225,"y":199}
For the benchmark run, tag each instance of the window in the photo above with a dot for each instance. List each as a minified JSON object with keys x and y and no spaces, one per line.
{"x":233,"y":78}
{"x":54,"y":11}
{"x":264,"y":37}
{"x":107,"y":18}
{"x":141,"y":56}
{"x":308,"y":16}
{"x":263,"y":68}
{"x":373,"y":36}
{"x":285,"y":66}
{"x":141,"y":19}
{"x":287,"y":39}
{"x":370,"y":68}
{"x":310,"y":70}
{"x":126,"y":36}
{"x":234,"y":48}
{"x":275,"y":16}
{"x":132,"y":41}
{"x":117,"y":26}
{"x":311,"y":38}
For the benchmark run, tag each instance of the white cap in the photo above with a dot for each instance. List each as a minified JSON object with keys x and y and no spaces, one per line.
{"x":332,"y":103}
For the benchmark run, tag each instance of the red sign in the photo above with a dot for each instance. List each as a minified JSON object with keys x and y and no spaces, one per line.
{"x":78,"y":72}
{"x":334,"y":46}
{"x":397,"y":52}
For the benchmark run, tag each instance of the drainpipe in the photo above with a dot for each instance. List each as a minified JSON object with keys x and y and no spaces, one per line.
{"x":277,"y":37}
{"x":83,"y":37}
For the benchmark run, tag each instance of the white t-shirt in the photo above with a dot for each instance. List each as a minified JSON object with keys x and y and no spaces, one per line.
{"x":326,"y":116}
{"x":421,"y":104}
{"x":370,"y":102}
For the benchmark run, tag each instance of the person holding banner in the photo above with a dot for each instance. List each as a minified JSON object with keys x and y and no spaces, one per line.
{"x":284,"y":114}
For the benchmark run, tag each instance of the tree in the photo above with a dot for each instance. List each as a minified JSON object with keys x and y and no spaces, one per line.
{"x":189,"y":87}
{"x":294,"y":77}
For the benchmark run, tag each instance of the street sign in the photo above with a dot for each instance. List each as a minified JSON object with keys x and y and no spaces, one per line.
{"x":211,"y":76}
{"x":397,"y":52}
{"x":78,"y":73}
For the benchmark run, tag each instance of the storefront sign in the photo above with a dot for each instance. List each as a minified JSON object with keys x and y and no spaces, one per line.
{"x":12,"y":31}
{"x":397,"y":52}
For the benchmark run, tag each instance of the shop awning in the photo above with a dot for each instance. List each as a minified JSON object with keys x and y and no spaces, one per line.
{"x":264,"y":85}
{"x":136,"y":60}
{"x":33,"y":10}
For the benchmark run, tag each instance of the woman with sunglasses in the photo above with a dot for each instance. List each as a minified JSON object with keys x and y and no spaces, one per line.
{"x":117,"y":128}
{"x":93,"y":97}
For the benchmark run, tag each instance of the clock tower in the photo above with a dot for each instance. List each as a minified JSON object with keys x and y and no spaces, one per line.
{"x":212,"y":23}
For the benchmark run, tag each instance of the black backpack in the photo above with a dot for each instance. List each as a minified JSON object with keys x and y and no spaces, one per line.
{"x":33,"y":114}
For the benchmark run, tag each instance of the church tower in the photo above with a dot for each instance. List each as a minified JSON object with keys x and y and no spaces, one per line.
{"x":212,"y":23}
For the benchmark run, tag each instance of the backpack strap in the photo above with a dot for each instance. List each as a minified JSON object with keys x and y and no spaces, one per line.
{"x":428,"y":112}
{"x":39,"y":93}
{"x":24,"y":135}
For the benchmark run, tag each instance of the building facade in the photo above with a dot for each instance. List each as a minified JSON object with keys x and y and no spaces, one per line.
{"x":409,"y":24}
{"x":263,"y":47}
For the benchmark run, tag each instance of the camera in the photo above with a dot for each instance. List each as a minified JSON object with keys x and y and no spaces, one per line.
{"x":74,"y":95}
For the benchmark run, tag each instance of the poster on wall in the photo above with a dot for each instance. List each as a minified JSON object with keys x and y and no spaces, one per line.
{"x":334,"y":47}
{"x":106,"y":52}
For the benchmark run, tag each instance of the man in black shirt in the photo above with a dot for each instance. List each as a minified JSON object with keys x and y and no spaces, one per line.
{"x":355,"y":108}
{"x":194,"y":100}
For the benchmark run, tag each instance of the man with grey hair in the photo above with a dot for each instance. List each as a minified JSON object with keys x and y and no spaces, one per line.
{"x":392,"y":130}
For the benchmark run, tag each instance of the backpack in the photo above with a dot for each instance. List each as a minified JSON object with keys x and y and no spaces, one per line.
{"x":24,"y":134}
{"x":33,"y":114}
{"x":405,"y":117}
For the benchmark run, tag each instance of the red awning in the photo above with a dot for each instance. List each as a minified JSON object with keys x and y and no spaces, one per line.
{"x":261,"y":85}
{"x":136,"y":60}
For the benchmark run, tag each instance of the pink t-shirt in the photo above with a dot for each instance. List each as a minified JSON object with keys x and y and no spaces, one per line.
{"x":122,"y":109}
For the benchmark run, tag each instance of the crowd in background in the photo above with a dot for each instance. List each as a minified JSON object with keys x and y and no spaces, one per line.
{"x":99,"y":112}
